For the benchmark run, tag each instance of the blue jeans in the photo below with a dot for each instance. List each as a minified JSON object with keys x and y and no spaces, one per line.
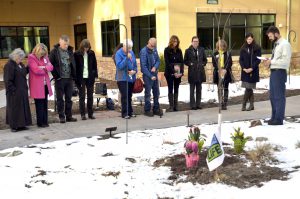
{"x":277,"y":94}
{"x":154,"y":86}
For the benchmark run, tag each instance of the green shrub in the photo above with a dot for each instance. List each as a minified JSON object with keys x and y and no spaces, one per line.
{"x":162,"y":65}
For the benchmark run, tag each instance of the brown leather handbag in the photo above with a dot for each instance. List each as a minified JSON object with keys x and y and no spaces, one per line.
{"x":138,"y":86}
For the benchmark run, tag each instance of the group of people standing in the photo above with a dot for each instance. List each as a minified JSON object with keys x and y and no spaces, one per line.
{"x":66,"y":67}
{"x":80,"y":67}
{"x":196,"y":60}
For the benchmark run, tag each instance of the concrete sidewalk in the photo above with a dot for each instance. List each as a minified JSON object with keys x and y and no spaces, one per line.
{"x":106,"y":119}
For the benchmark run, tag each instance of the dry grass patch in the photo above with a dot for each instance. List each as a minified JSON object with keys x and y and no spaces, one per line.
{"x":262,"y":153}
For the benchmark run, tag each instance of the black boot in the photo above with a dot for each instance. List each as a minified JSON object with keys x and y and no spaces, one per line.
{"x":171,"y":101}
{"x":224,"y":104}
{"x":251,"y":99}
{"x":175,"y":102}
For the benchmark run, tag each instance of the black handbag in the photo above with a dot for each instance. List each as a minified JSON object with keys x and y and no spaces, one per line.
{"x":100,"y":88}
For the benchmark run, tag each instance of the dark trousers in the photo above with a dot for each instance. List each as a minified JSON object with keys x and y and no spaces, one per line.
{"x":198,"y":86}
{"x":122,"y":85}
{"x":86,"y":90}
{"x":154,"y":86}
{"x":41,"y":108}
{"x":64,"y":89}
{"x":173,"y":83}
{"x":277,"y":94}
{"x":223,"y":93}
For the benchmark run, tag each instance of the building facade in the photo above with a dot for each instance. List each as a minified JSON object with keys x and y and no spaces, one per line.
{"x":23,"y":23}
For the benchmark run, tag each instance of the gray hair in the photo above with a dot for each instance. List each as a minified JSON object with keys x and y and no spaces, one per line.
{"x":65,"y":38}
{"x":129,"y":43}
{"x":17,"y":53}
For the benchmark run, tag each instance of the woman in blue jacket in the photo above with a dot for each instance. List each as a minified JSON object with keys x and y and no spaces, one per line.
{"x":250,"y":69}
{"x":126,"y":69}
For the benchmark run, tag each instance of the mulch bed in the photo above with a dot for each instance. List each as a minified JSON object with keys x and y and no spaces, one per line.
{"x":237,"y":170}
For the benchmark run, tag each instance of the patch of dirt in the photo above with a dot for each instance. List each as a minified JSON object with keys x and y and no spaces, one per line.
{"x":138,"y":109}
{"x":236,"y":170}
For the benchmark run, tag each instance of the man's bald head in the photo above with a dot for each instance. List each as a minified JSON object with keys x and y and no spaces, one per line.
{"x":151,"y":43}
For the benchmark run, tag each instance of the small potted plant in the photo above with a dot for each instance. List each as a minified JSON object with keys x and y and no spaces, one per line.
{"x":239,"y":140}
{"x":193,"y":146}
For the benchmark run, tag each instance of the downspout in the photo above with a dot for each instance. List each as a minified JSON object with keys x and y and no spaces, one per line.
{"x":288,"y":19}
{"x":288,"y":28}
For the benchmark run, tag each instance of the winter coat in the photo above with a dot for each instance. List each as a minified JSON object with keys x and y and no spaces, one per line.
{"x":122,"y":62}
{"x":148,"y":59}
{"x":92,"y":67}
{"x":17,"y":104}
{"x":37,"y":76}
{"x":55,"y":60}
{"x":248,"y":59}
{"x":227,"y":66}
{"x":196,"y":63}
{"x":172,"y":57}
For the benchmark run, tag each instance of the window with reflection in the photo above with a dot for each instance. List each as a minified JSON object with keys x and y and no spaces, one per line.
{"x":24,"y":37}
{"x":233,"y":29}
{"x":80,"y":34}
{"x":110,"y":32}
{"x":142,"y":29}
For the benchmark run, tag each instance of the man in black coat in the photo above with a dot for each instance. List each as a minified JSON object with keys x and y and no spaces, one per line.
{"x":64,"y":72}
{"x":195,"y":59}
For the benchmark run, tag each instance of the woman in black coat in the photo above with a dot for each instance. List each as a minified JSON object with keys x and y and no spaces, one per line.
{"x":18,"y":114}
{"x":250,"y":69}
{"x":86,"y":72}
{"x":173,"y":70}
{"x":222,"y":59}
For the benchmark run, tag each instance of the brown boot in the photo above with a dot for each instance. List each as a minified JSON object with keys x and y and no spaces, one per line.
{"x":251,"y":99}
{"x":245,"y":99}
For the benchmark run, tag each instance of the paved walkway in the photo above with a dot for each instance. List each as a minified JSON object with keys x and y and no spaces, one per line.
{"x":111,"y":118}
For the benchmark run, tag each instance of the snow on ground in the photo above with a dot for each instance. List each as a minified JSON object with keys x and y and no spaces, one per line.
{"x":76,"y":168}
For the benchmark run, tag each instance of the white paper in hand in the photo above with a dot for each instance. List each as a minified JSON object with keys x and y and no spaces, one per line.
{"x":262,"y":58}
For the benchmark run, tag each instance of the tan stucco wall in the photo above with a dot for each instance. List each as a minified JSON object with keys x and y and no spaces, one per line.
{"x":92,"y":12}
{"x":52,"y":14}
{"x":172,"y":17}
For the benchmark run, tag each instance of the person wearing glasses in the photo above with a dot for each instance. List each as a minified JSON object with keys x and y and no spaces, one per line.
{"x":39,"y":82}
{"x":64,"y":72}
{"x":126,"y":60}
{"x":173,"y":71}
{"x":195,"y":59}
{"x":149,"y":66}
{"x":86,"y":70}
{"x":18,"y":114}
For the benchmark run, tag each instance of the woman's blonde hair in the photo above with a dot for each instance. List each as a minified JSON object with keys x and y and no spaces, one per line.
{"x":40,"y":50}
{"x":221,"y":43}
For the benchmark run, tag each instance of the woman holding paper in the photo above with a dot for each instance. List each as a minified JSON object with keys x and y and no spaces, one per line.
{"x":249,"y":63}
{"x":173,"y":71}
{"x":39,"y":82}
